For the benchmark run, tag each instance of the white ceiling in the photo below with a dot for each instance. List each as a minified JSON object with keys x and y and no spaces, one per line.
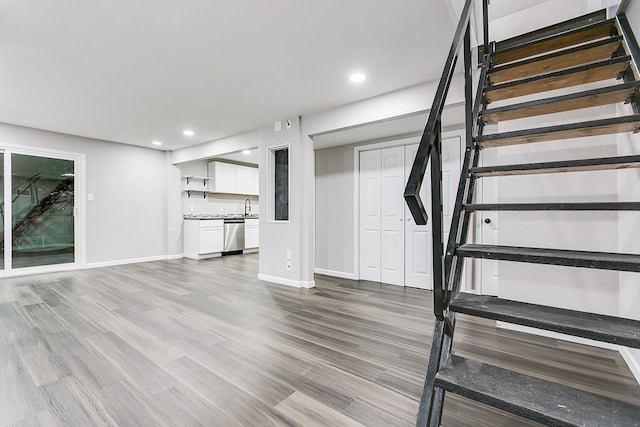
{"x":134,"y":72}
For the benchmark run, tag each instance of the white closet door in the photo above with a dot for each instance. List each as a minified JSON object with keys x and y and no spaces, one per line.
{"x":370,"y":162}
{"x":418,"y":258}
{"x":393,"y":208}
{"x":451,"y":164}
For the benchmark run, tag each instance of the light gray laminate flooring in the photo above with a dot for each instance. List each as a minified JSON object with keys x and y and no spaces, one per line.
{"x":188,"y":343}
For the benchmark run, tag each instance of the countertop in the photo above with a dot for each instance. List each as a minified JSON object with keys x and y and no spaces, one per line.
{"x":219,"y":216}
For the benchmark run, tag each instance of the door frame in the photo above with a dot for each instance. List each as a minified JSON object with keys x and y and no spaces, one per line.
{"x":356,"y":181}
{"x":79,"y":181}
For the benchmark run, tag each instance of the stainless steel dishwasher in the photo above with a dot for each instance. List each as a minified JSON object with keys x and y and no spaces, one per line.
{"x":233,"y":235}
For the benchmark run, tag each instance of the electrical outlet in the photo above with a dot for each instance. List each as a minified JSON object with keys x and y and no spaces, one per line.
{"x":288,"y":265}
{"x":289,"y":254}
{"x":277,"y":126}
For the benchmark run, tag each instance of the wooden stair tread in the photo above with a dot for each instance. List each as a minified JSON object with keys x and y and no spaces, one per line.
{"x":554,"y":29}
{"x":533,"y":398}
{"x":569,"y":258}
{"x":614,"y":330}
{"x":572,"y":57}
{"x":575,"y":206}
{"x":583,"y":74}
{"x":574,"y":130}
{"x":583,"y":165}
{"x":585,"y":34}
{"x":574,"y":101}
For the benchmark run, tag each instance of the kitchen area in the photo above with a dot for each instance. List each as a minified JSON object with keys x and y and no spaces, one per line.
{"x":220,"y":205}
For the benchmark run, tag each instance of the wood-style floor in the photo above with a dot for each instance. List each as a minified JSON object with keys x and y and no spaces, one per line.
{"x":204,"y":343}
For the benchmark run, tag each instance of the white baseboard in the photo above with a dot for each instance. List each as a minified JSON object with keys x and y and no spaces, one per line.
{"x":130,"y":261}
{"x":199,"y":257}
{"x":632,"y":357}
{"x":287,"y":282}
{"x":29,"y":271}
{"x":333,"y":273}
{"x":556,"y":335}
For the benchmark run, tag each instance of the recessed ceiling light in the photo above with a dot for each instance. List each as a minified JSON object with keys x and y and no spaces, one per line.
{"x":247,"y":152}
{"x":189,"y":132}
{"x":357,"y":77}
{"x":157,"y":143}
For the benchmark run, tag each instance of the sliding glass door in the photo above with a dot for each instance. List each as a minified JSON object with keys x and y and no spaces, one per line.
{"x":2,"y":210}
{"x":38,"y":199}
{"x":42,"y":207}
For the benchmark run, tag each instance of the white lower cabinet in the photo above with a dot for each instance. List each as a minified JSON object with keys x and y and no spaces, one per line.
{"x":203,"y":237}
{"x":251,"y":233}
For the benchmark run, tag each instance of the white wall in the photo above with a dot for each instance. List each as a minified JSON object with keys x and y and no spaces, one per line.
{"x":174,"y":240}
{"x":508,"y":18}
{"x":335,"y":210}
{"x":126,"y":220}
{"x":579,"y":289}
{"x":295,"y":235}
{"x":298,"y":234}
{"x":629,"y":223}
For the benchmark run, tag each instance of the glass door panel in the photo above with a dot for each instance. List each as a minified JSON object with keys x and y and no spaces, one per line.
{"x":42,"y":210}
{"x":2,"y":211}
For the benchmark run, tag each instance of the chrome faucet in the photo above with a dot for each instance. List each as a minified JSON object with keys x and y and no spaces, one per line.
{"x":247,"y":212}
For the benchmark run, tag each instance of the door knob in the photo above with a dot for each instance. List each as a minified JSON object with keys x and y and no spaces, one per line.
{"x":487,"y":220}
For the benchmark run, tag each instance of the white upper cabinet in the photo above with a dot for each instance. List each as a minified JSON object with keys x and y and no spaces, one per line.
{"x":256,"y":182}
{"x":232,"y":179}
{"x":244,"y":180}
{"x":223,"y":177}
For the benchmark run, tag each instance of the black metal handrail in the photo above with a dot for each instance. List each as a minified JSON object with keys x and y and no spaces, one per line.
{"x":412,"y":190}
{"x":430,"y":148}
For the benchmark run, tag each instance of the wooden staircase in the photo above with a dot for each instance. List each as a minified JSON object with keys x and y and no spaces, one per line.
{"x":565,"y":56}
